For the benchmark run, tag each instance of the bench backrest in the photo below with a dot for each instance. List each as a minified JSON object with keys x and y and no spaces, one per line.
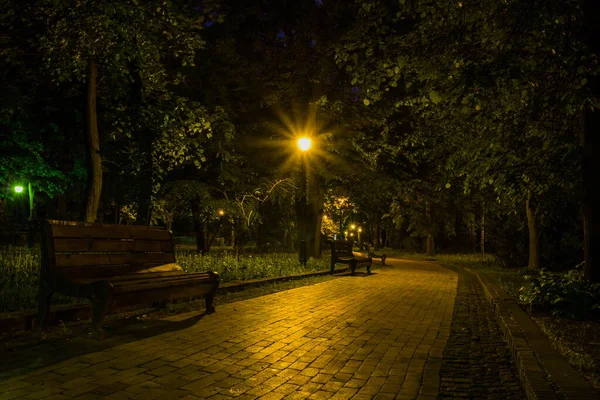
{"x":341,"y":248}
{"x":80,"y":250}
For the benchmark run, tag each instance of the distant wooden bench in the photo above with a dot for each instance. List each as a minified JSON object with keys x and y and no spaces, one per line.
{"x":372,"y":254}
{"x":114,"y":266}
{"x":341,"y":252}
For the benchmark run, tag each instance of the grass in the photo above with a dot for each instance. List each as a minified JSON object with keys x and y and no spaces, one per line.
{"x":19,"y":269}
{"x":577,"y":341}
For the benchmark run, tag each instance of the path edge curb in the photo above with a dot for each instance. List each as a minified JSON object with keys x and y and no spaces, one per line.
{"x":543,"y":372}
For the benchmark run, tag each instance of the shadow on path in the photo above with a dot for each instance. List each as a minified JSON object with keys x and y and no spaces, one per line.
{"x":33,"y":352}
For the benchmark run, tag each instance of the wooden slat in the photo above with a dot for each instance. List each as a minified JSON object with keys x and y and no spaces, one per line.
{"x":111,"y":245}
{"x":151,"y":286}
{"x":82,"y":260}
{"x":104,"y":272}
{"x":128,"y":277}
{"x":142,"y":280}
{"x":110,"y":232}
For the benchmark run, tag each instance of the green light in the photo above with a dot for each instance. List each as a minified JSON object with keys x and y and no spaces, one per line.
{"x":19,"y":189}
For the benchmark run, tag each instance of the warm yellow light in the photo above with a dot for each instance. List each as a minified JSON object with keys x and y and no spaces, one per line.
{"x":359,"y":230}
{"x":304,"y":143}
{"x":351,"y":234}
{"x":352,"y":226}
{"x":324,"y":216}
{"x":221,"y":213}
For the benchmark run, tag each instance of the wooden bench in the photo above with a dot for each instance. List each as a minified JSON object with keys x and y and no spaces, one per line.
{"x":341,"y":252}
{"x":114,"y":266}
{"x":372,"y":254}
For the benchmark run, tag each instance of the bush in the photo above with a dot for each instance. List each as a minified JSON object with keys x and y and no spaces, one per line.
{"x":562,"y":294}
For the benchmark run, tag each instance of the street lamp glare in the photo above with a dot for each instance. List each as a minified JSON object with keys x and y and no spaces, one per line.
{"x":19,"y":189}
{"x":221,"y":213}
{"x":352,"y":226}
{"x":304,"y":143}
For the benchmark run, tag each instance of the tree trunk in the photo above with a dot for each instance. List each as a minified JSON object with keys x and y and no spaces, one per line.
{"x":94,"y":162}
{"x":590,"y":143}
{"x":66,"y":162}
{"x":317,"y":199}
{"x":482,"y":227}
{"x":591,"y":193}
{"x":117,"y":216}
{"x":377,"y":244}
{"x":429,"y":247}
{"x":534,"y":236}
{"x":144,"y":214}
{"x":200,"y":238}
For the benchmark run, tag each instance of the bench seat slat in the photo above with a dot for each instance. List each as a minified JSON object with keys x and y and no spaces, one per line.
{"x":136,"y":279}
{"x":83,"y":260}
{"x":107,"y":271}
{"x":143,"y":286}
{"x":144,"y":275}
{"x":79,"y":245}
{"x":358,"y":259}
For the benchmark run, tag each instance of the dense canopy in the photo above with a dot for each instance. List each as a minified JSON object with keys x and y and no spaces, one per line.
{"x":435,"y":125}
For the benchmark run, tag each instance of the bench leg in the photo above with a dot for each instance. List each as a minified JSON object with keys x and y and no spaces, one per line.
{"x":43,"y":309}
{"x":101,"y":296}
{"x":353,"y":267}
{"x":209,"y":300}
{"x":383,"y":257}
{"x":332,"y":267}
{"x":369,"y":266}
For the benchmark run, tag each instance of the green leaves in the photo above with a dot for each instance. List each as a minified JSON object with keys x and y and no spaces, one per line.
{"x":435,"y":96}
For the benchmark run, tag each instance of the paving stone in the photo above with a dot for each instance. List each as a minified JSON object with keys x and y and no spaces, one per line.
{"x":361,"y":336}
{"x":474,"y":348}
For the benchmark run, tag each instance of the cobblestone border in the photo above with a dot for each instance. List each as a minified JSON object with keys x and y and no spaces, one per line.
{"x":25,"y":320}
{"x":544,"y":373}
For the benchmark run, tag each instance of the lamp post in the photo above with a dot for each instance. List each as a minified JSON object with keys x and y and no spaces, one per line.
{"x":340,"y":202}
{"x":360,"y":245}
{"x":304,"y":144}
{"x":30,"y":221}
{"x":19,"y":189}
{"x":221,"y":215}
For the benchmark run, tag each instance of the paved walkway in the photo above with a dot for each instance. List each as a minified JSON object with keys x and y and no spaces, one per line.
{"x":362,"y":337}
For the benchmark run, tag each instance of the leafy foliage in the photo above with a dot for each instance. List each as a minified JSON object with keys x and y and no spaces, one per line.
{"x":564,"y":294}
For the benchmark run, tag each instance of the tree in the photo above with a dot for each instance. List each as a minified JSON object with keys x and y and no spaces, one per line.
{"x":490,"y":75}
{"x":136,"y":47}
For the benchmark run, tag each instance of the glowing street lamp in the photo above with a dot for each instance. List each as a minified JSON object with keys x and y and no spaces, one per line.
{"x":304,"y":144}
{"x":359,"y":230}
{"x":221,"y":213}
{"x":19,"y":189}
